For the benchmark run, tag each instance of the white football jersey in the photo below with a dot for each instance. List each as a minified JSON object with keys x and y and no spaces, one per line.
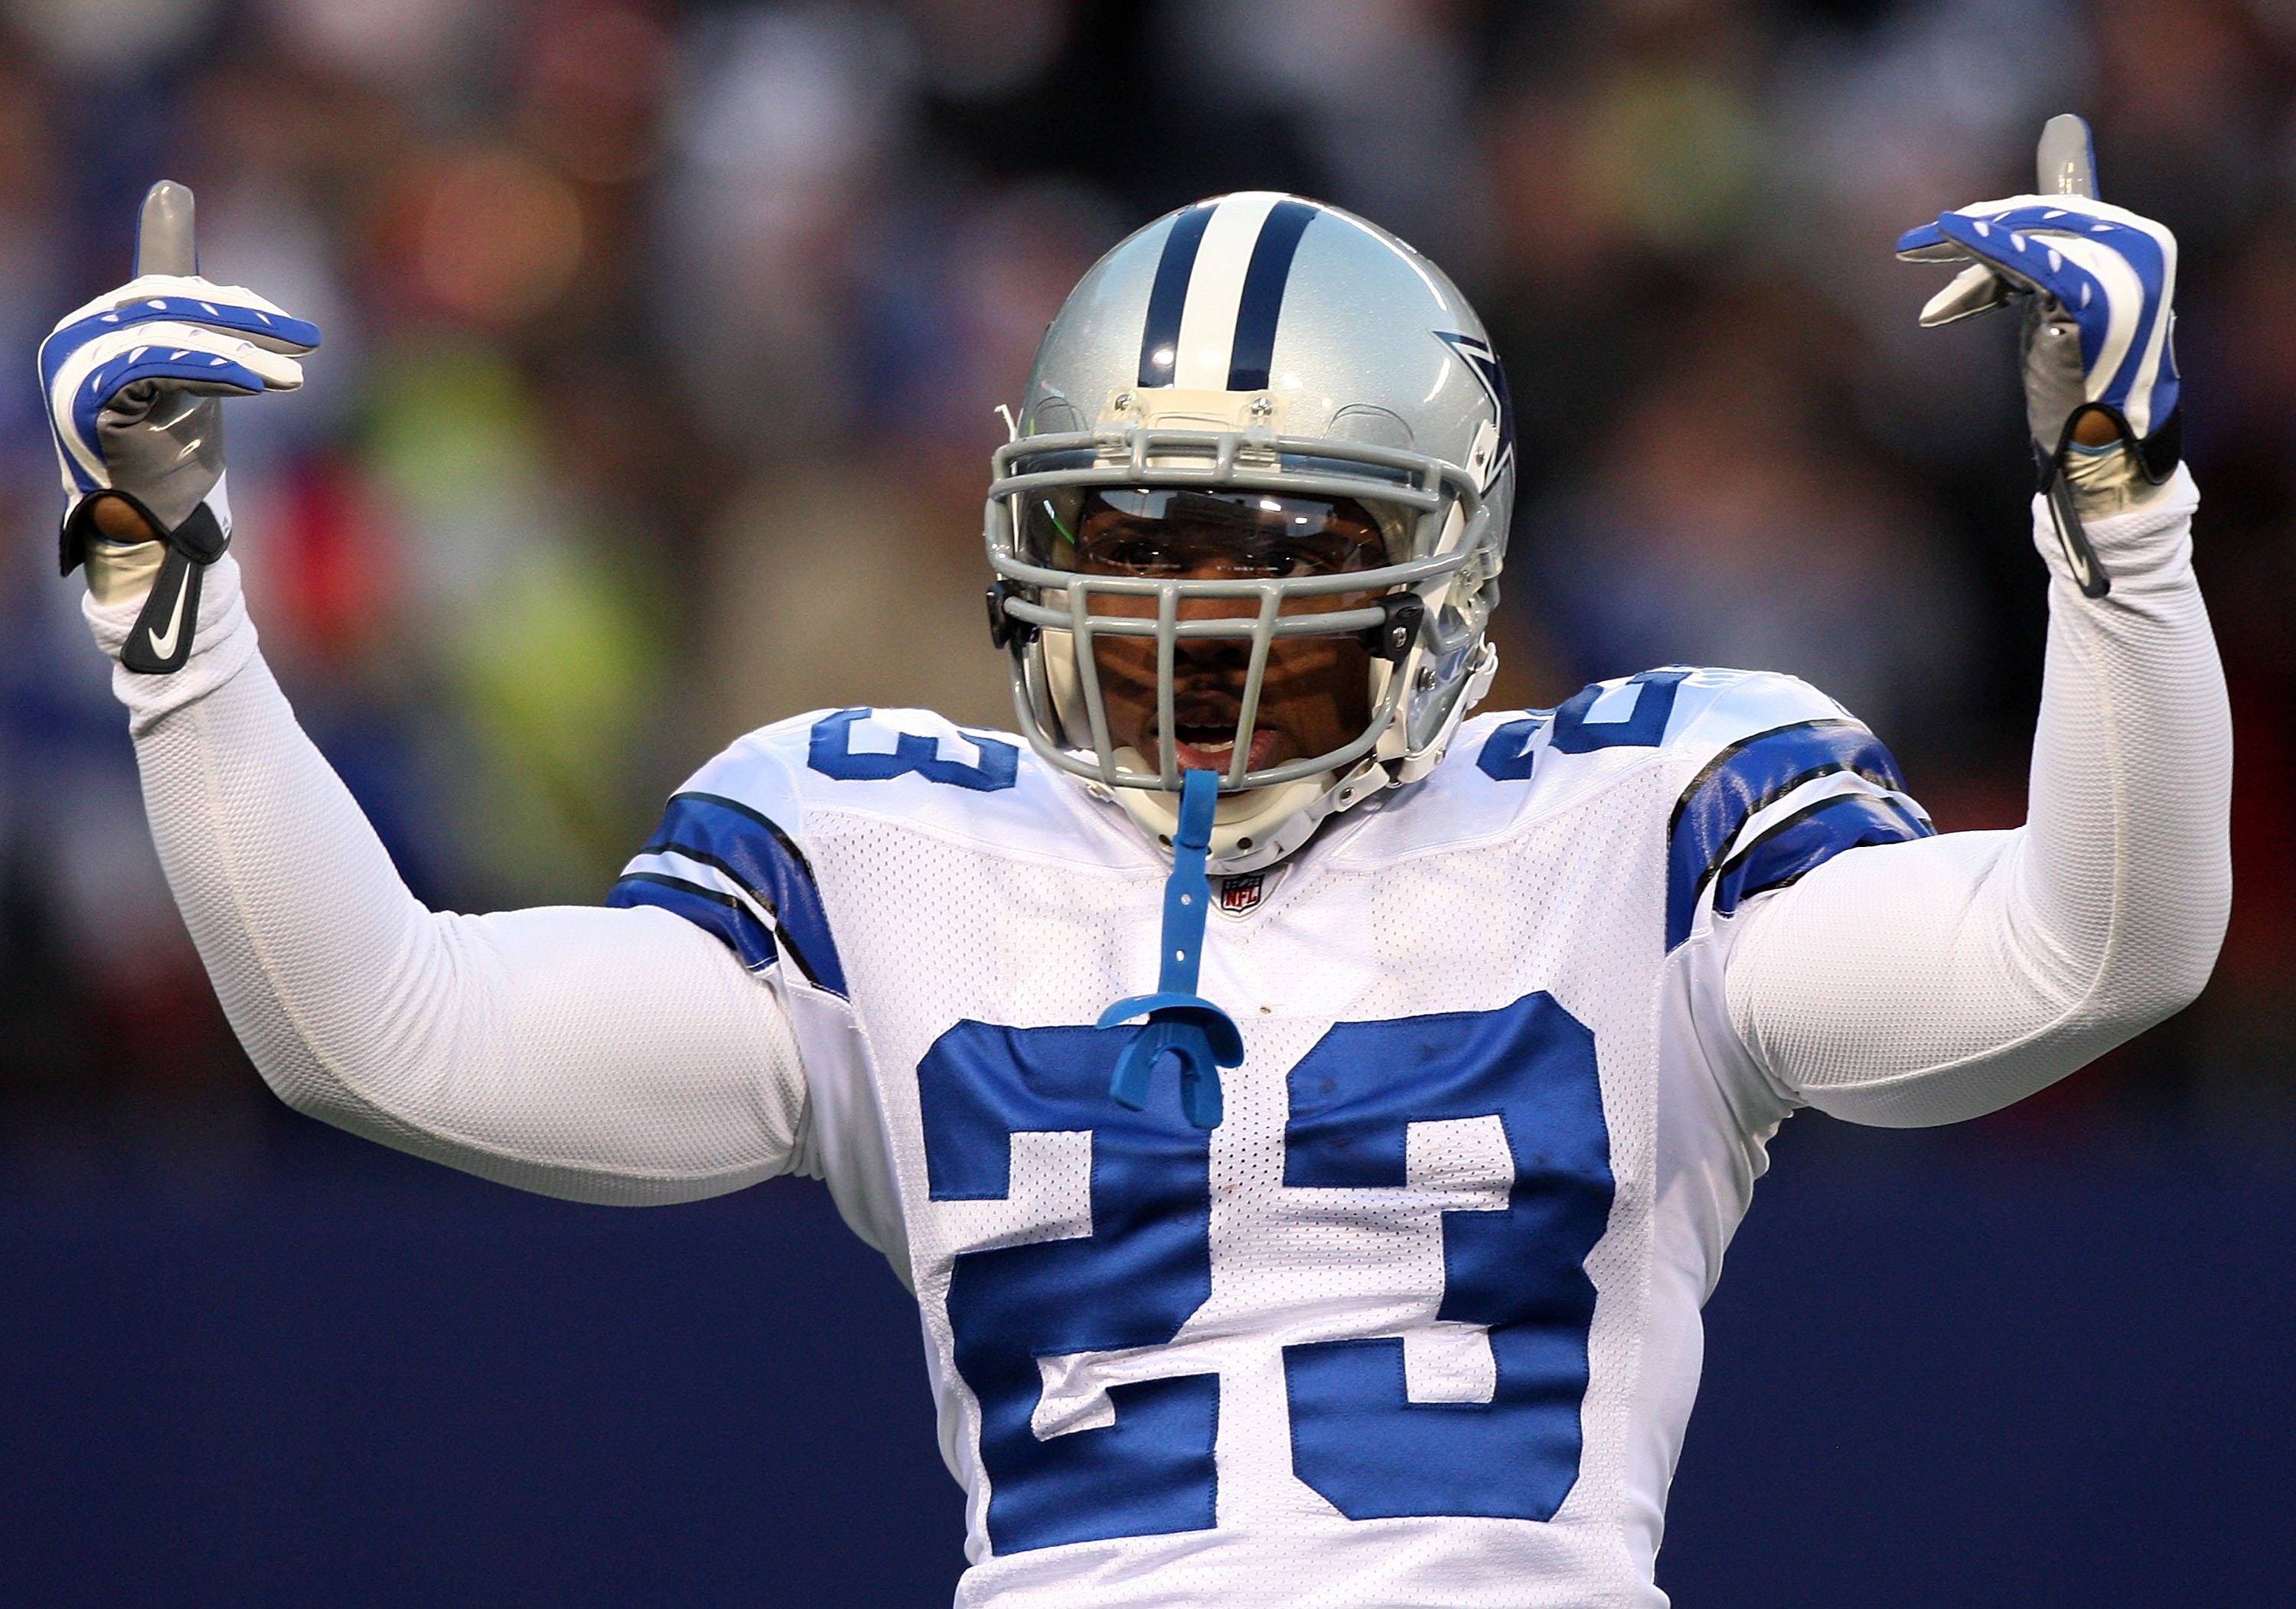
{"x":1418,"y":1323}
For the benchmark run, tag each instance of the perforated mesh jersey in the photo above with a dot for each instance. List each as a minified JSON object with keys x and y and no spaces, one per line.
{"x":1417,"y":1323}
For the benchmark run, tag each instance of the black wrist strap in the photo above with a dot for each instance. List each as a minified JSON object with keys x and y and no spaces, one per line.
{"x":2157,"y":457}
{"x":2073,"y":536}
{"x":160,"y":640}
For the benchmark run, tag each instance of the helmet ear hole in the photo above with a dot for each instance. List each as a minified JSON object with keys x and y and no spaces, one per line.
{"x":1372,"y":426}
{"x":1054,"y":416}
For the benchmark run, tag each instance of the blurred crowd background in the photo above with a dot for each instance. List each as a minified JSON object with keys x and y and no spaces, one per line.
{"x":662,"y":346}
{"x":662,"y":343}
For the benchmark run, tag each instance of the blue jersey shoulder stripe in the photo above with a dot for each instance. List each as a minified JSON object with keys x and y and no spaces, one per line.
{"x":1806,"y":839}
{"x":721,"y":914}
{"x":752,"y":850}
{"x":1745,"y":777}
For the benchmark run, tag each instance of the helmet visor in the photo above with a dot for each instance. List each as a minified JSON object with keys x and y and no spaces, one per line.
{"x":1171,"y":532}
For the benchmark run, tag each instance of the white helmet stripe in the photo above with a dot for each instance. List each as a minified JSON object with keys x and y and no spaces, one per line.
{"x":1216,"y":291}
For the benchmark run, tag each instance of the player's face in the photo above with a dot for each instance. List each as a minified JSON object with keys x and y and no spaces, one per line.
{"x":1315,"y":696}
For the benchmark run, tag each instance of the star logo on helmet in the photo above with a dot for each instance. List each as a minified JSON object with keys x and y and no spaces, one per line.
{"x":1483,"y":363}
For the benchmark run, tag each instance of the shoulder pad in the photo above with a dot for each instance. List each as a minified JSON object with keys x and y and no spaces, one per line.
{"x":1675,"y":707}
{"x":732,"y":853}
{"x":1775,"y":780}
{"x":908,"y":766}
{"x":1773,"y":776}
{"x":727,"y":858}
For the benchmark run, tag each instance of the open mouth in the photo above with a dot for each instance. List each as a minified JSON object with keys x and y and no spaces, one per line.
{"x":1213,"y":747}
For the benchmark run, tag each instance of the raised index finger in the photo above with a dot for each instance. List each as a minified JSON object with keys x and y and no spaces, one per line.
{"x":166,"y":231}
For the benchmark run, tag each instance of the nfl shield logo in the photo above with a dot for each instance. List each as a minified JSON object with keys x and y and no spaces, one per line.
{"x":1241,"y":893}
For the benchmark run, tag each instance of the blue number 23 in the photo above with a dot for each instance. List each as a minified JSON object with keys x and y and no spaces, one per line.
{"x":1146,"y":1268}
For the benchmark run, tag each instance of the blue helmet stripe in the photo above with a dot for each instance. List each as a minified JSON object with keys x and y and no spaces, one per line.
{"x":1168,"y":298}
{"x":1262,"y":303}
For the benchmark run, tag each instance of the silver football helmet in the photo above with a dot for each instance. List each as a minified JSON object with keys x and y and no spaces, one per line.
{"x":1257,"y":420}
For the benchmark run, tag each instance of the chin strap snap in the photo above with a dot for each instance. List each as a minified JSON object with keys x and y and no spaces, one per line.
{"x":1183,"y":1025}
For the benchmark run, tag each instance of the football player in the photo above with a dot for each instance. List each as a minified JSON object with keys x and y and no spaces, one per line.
{"x":1360,"y":1263}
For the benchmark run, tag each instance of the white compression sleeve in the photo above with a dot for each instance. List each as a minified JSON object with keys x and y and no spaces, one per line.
{"x":1932,"y":981}
{"x":614,"y":1055}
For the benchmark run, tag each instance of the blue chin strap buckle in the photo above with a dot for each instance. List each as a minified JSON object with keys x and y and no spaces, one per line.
{"x":1181,"y":1024}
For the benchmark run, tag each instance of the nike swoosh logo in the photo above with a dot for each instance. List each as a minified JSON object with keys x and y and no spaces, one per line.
{"x":2079,"y":561}
{"x":163,"y":644}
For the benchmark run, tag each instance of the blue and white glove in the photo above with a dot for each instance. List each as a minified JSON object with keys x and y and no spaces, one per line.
{"x":2097,"y":282}
{"x":133,"y":381}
